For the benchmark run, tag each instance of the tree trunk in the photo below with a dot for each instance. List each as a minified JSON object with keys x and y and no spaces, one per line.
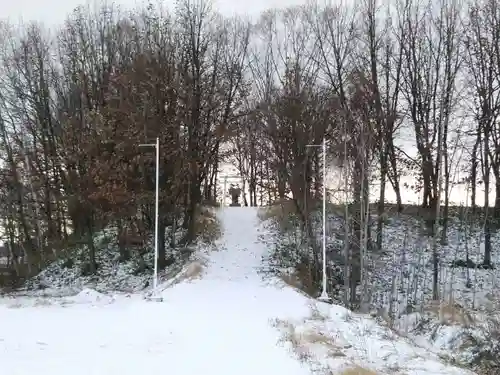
{"x":473,"y":171}
{"x":381,"y":200}
{"x":497,"y":195}
{"x":356,"y":235}
{"x":162,"y":251}
{"x":486,"y":179}
{"x":90,"y":243}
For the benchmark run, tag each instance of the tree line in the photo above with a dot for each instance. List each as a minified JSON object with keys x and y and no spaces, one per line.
{"x":76,"y":102}
{"x":363,"y":76}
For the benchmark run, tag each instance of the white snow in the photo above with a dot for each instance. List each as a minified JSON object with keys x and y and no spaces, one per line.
{"x":231,"y":320}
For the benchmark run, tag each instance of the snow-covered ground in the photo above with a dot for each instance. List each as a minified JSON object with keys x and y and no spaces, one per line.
{"x":231,"y":319}
{"x":402,"y":273}
{"x":459,"y":328}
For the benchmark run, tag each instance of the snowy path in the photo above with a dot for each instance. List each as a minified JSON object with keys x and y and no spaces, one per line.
{"x":216,"y":325}
{"x":219,"y":324}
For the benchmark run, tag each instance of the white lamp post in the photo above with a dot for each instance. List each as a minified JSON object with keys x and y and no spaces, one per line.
{"x":324,"y":294}
{"x":157,"y":188}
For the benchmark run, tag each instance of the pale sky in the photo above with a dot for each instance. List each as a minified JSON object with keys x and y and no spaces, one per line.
{"x":53,"y":12}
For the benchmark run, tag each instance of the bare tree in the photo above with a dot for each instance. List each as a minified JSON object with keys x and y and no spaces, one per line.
{"x":383,"y":59}
{"x":481,"y":63}
{"x":432,"y":59}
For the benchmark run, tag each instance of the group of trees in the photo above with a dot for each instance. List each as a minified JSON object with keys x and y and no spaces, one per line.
{"x":364,"y":76}
{"x":76,"y":102}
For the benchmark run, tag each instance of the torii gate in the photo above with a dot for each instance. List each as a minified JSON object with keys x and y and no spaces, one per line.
{"x":223,"y":203}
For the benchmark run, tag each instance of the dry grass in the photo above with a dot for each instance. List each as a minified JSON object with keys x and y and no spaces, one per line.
{"x":279,"y":211}
{"x":208,"y":227}
{"x":282,"y":209}
{"x":194,"y":270}
{"x":357,"y":370}
{"x":191,"y":271}
{"x":317,"y":315}
{"x":306,"y":342}
{"x":211,"y":203}
{"x":301,"y":342}
{"x":301,"y":279}
{"x":450,"y":314}
{"x":290,"y":336}
{"x":292,"y":280}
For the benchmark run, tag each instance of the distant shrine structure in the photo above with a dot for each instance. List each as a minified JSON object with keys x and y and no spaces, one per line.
{"x":235,"y":193}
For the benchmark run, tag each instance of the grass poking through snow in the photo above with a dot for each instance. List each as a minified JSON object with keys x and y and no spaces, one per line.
{"x":357,"y":370}
{"x":208,"y":228}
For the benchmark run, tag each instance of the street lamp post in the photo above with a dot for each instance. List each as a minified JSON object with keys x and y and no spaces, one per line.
{"x":157,"y":190}
{"x":324,"y":294}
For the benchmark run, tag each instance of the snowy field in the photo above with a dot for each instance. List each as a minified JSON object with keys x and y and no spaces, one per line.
{"x":227,"y":319}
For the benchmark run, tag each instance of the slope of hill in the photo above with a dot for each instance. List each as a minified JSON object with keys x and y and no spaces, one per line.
{"x":68,"y":275}
{"x":459,"y":327}
{"x":229,"y":318}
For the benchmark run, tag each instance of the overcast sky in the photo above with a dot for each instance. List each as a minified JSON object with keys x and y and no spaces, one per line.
{"x":53,"y":12}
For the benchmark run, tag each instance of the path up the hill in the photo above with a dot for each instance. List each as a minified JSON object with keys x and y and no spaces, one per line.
{"x":219,"y":324}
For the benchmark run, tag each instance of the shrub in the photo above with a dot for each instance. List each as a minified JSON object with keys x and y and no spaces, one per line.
{"x":207,"y":226}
